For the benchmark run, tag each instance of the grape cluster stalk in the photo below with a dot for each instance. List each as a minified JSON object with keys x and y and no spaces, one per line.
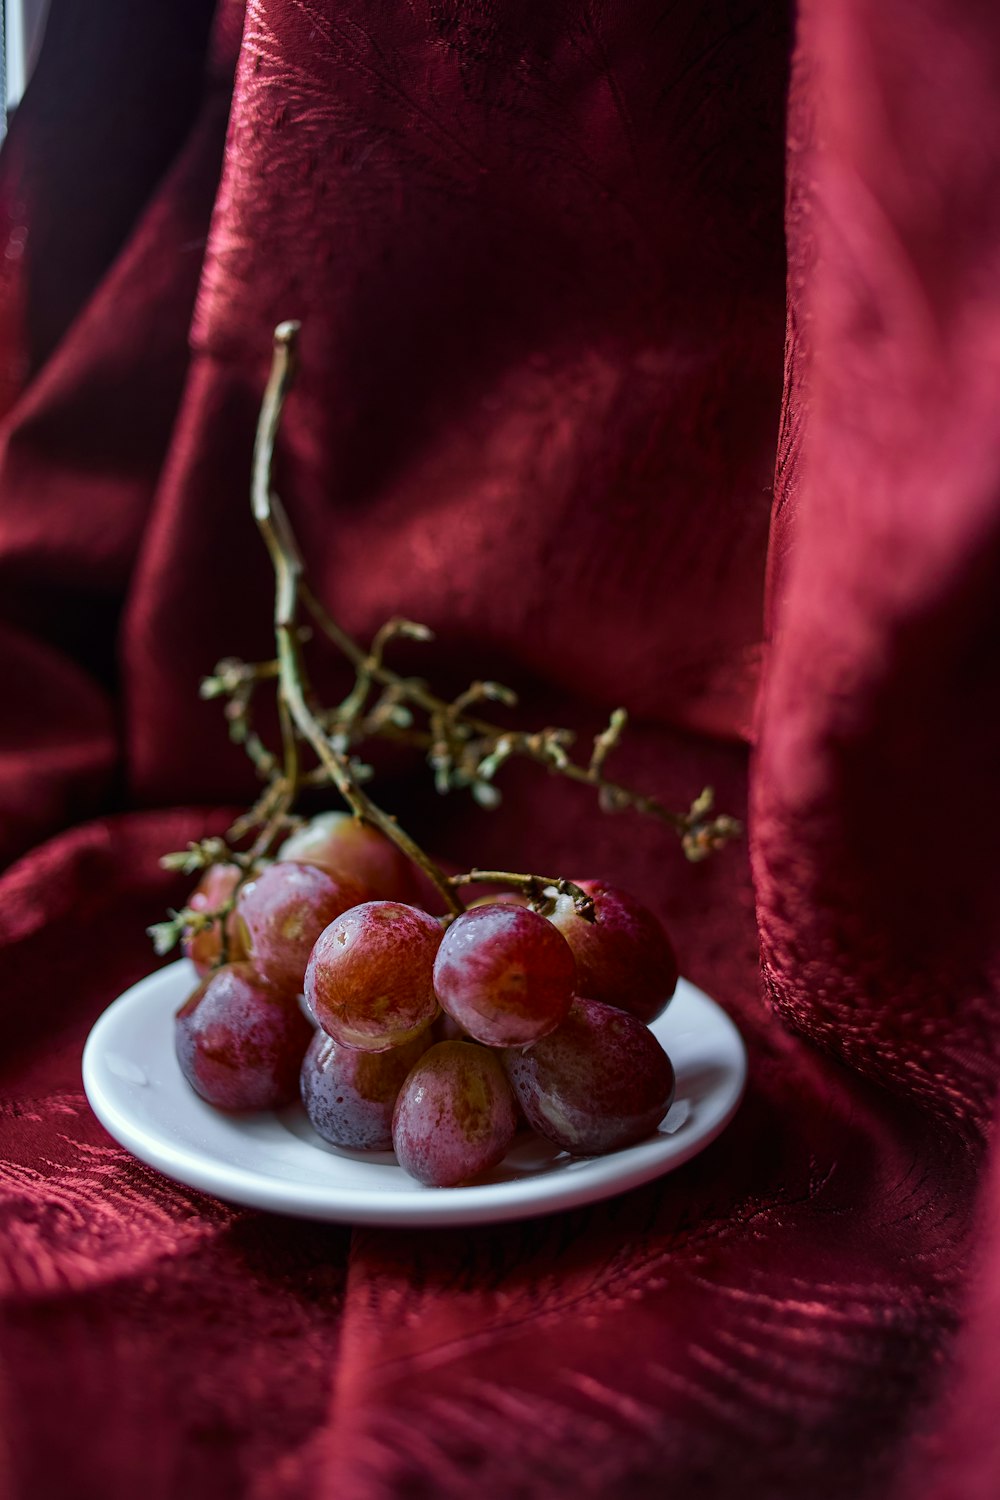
{"x":324,"y":975}
{"x":463,"y":749}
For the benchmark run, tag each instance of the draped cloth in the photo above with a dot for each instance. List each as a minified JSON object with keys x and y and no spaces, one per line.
{"x":649,"y":355}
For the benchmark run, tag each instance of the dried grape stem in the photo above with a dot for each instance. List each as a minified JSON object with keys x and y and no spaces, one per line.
{"x":287,"y":563}
{"x":463,"y":749}
{"x":699,"y":837}
{"x":535,"y":887}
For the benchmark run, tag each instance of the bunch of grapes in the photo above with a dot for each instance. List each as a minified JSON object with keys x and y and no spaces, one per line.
{"x":438,"y":1038}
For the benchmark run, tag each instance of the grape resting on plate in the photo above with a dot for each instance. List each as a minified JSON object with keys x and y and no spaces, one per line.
{"x":435,"y":1038}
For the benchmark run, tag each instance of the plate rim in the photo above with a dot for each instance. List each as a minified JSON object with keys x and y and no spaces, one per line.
{"x":417,"y":1207}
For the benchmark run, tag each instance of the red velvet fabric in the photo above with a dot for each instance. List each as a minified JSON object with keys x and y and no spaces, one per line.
{"x":539,"y":255}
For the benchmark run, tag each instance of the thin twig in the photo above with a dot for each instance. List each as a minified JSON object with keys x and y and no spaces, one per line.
{"x":287,"y":564}
{"x":463,"y":749}
{"x":537,"y":888}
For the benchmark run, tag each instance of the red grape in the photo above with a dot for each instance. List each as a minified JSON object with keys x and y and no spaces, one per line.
{"x":240,"y":1042}
{"x":284,"y":911}
{"x":623,"y":957}
{"x":599,"y":1082}
{"x":504,"y":974}
{"x":352,"y":850}
{"x":213,"y":890}
{"x":349,"y":1095}
{"x":370,"y":978}
{"x":455,"y":1116}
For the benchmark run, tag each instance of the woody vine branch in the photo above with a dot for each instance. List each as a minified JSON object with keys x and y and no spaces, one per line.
{"x":320,"y":746}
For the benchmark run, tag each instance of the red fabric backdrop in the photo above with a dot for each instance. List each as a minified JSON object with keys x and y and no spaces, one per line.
{"x":539,"y":255}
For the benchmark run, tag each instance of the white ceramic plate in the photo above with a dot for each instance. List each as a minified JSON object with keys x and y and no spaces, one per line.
{"x":276,"y":1161}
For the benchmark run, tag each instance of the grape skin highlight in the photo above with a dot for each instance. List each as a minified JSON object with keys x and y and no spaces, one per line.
{"x":369,"y":983}
{"x":455,"y":1116}
{"x":599,"y":1082}
{"x":351,"y":850}
{"x":240,"y":1042}
{"x":349,"y":1095}
{"x":623,"y":957}
{"x":284,"y":911}
{"x":504,"y":974}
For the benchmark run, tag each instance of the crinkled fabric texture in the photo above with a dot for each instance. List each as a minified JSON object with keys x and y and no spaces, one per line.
{"x":539,"y":253}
